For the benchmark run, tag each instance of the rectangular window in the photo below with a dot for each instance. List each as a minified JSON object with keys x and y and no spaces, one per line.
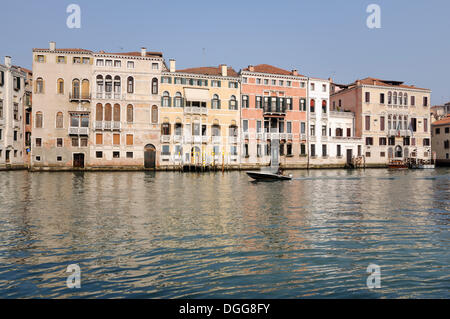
{"x":324,"y":150}
{"x":425,"y":101}
{"x":338,"y":150}
{"x":425,"y":125}
{"x":129,"y":154}
{"x":99,"y":154}
{"x":38,"y":142}
{"x":116,"y":139}
{"x":117,"y":63}
{"x":303,"y":149}
{"x":369,"y":140}
{"x":59,"y":142}
{"x":99,"y":139}
{"x":382,"y":126}
{"x":258,"y":126}
{"x":108,"y":62}
{"x":74,"y":141}
{"x":129,"y":139}
{"x":83,"y":142}
{"x":367,"y":154}
{"x":155,"y":66}
{"x":100,"y":62}
{"x":288,"y":127}
{"x":367,"y":123}
{"x":245,"y":125}
{"x":413,"y":100}
{"x":313,"y":150}
{"x":76,"y":60}
{"x":426,"y":142}
{"x":381,"y":98}
{"x":302,"y":127}
{"x":382,"y":141}
{"x":130,"y":64}
{"x":116,"y":154}
{"x":367,"y":97}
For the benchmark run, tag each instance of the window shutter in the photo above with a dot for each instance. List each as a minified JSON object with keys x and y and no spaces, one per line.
{"x":170,"y":80}
{"x":183,"y":81}
{"x":182,"y":102}
{"x":218,"y":104}
{"x":219,"y":83}
{"x":162,"y":101}
{"x":206,"y":82}
{"x":170,"y":101}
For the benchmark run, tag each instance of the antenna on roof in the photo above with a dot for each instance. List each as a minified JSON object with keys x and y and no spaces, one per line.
{"x":204,"y":56}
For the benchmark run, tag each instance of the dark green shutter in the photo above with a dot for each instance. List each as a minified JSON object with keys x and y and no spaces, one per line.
{"x":219,"y":83}
{"x":162,"y":101}
{"x":170,"y":80}
{"x":218,"y":104}
{"x":170,"y":101}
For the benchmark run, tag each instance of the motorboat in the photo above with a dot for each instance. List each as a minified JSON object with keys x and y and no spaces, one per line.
{"x":397,"y":164}
{"x":263,"y":176}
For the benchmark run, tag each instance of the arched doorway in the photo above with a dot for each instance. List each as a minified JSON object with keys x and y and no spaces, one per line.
{"x":195,"y":155}
{"x":149,"y":156}
{"x":398,"y":151}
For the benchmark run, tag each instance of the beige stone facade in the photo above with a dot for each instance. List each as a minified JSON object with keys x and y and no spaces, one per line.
{"x":393,"y":119}
{"x":440,"y":141}
{"x":94,"y":110}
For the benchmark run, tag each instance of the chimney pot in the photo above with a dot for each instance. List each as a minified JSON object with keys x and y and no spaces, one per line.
{"x":295,"y":72}
{"x":8,"y":61}
{"x":223,"y":68}
{"x":52,"y":45}
{"x":251,"y":68}
{"x":172,"y":64}
{"x":143,"y":51}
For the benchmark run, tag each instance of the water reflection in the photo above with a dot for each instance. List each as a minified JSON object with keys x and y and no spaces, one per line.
{"x":168,"y":234}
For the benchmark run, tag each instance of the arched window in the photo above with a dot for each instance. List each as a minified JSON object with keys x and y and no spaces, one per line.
{"x":130,"y":114}
{"x":60,"y":86}
{"x":398,"y":151}
{"x":39,"y":85}
{"x":233,"y":103}
{"x":59,"y":120}
{"x":76,"y":89}
{"x":165,"y":99}
{"x":85,"y":89}
{"x":130,"y":84}
{"x":154,"y":114}
{"x":100,"y":86}
{"x":178,"y":100}
{"x":116,"y":113}
{"x":38,"y":121}
{"x":405,"y":99}
{"x":312,"y":104}
{"x":389,"y":97}
{"x":389,"y":122}
{"x":395,"y":98}
{"x":154,"y":86}
{"x":324,"y":106}
{"x":215,"y":103}
{"x":108,"y":112}
{"x":405,"y":122}
{"x":400,"y":122}
{"x":108,"y":86}
{"x":400,"y":98}
{"x":99,"y":112}
{"x":216,"y":130}
{"x":394,"y":123}
{"x":117,"y":87}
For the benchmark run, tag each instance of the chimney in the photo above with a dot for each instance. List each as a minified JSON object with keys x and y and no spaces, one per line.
{"x":330,"y":80}
{"x":251,"y":68}
{"x":172,"y":63}
{"x":358,"y":82}
{"x":52,"y":45}
{"x":143,"y":51}
{"x":223,"y":69}
{"x":295,"y":72}
{"x":8,"y":61}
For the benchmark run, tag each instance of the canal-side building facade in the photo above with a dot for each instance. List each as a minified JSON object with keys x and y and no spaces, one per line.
{"x":94,"y":110}
{"x":199,"y":117}
{"x":125,"y":110}
{"x":273,"y":111}
{"x":331,"y":133}
{"x":12,"y":97}
{"x":393,"y":119}
{"x":440,"y":141}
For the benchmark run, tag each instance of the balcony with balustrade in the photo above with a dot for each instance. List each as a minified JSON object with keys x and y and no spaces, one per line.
{"x":195,"y":110}
{"x":76,"y":97}
{"x":108,"y":125}
{"x":78,"y":130}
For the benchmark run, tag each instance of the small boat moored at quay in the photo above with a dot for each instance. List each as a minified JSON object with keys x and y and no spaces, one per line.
{"x":262,"y":176}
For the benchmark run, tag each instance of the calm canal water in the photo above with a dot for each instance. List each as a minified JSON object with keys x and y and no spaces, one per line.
{"x":174,"y":235}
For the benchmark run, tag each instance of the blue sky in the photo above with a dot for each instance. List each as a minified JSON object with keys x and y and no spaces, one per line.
{"x":319,"y":38}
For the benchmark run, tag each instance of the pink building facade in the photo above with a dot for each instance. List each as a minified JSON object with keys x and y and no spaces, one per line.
{"x":273,"y":111}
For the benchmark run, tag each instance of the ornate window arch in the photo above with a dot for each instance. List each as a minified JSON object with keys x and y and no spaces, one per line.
{"x":39,"y":85}
{"x":39,"y":119}
{"x":154,"y":114}
{"x":215,"y":102}
{"x":59,"y":120}
{"x":76,"y":88}
{"x":178,"y":100}
{"x":154,"y":86}
{"x":130,"y":113}
{"x":165,"y":99}
{"x":130,"y":84}
{"x":60,"y":86}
